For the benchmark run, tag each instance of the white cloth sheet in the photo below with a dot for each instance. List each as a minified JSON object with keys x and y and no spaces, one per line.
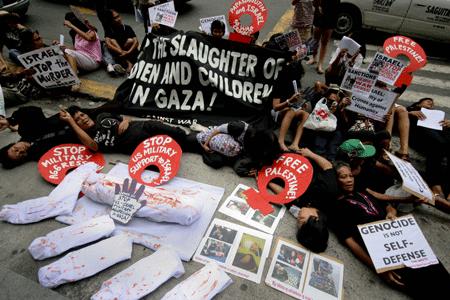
{"x":60,"y":201}
{"x":184,"y":239}
{"x":162,"y":205}
{"x":61,"y":240}
{"x":143,"y":277}
{"x":86,"y":262}
{"x":203,"y":284}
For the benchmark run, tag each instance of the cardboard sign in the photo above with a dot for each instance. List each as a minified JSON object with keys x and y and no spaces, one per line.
{"x":349,"y":44}
{"x":205,"y":24}
{"x":237,"y":249}
{"x":305,"y":275}
{"x":168,"y":6}
{"x":401,"y":45}
{"x":376,"y":106}
{"x":126,"y":201}
{"x":412,"y":181}
{"x":165,"y":17}
{"x":358,"y":81}
{"x":52,"y":69}
{"x":289,"y":41}
{"x":395,"y":244}
{"x":236,"y":206}
{"x":161,"y":151}
{"x":56,"y":162}
{"x":256,"y":9}
{"x":387,"y":68}
{"x":295,"y":170}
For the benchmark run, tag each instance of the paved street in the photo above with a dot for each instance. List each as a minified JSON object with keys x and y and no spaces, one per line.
{"x":18,"y":271}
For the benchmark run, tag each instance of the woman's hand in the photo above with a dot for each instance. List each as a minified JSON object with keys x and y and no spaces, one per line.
{"x":123,"y":126}
{"x":295,"y":98}
{"x":65,"y":116}
{"x":392,"y":278}
{"x":418,"y":114}
{"x":391,"y":216}
{"x":3,"y":123}
{"x":206,"y":148}
{"x":445,"y":123}
{"x":68,"y":24}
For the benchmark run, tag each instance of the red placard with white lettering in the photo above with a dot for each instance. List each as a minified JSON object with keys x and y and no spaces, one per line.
{"x":161,"y":151}
{"x":256,"y":9}
{"x":295,"y":170}
{"x":402,"y":45}
{"x":56,"y":162}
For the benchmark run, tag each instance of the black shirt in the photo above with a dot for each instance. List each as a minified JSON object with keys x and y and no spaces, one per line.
{"x":20,"y":39}
{"x":105,"y":132}
{"x":120,"y":34}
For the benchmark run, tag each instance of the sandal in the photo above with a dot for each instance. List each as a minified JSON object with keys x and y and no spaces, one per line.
{"x":404,"y":156}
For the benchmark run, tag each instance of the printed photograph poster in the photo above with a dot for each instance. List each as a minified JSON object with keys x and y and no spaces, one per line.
{"x":394,"y":244}
{"x":387,"y":68}
{"x":324,"y":278}
{"x":165,"y":17}
{"x":236,"y":249}
{"x":287,"y":272}
{"x":52,"y":69}
{"x":236,"y":206}
{"x":358,"y":81}
{"x":290,"y":41}
{"x":302,"y":274}
{"x":376,"y":106}
{"x":412,"y":182}
{"x":205,"y":24}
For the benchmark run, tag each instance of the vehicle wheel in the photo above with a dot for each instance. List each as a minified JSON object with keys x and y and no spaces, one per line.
{"x":349,"y":20}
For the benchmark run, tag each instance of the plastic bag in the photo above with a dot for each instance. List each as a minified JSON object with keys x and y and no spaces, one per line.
{"x":321,"y":118}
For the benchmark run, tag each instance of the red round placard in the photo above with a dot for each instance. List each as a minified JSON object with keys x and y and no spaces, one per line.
{"x":256,"y":9}
{"x":161,"y":151}
{"x":56,"y":162}
{"x":295,"y":170}
{"x":402,"y":45}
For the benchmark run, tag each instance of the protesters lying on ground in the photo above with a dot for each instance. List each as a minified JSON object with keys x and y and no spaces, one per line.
{"x":113,"y":133}
{"x":238,"y":144}
{"x":38,"y":135}
{"x":435,"y":145}
{"x":87,"y":52}
{"x":355,"y":208}
{"x":311,"y":208}
{"x":16,"y":37}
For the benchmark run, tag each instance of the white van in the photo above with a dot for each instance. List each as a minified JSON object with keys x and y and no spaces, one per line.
{"x":426,"y":19}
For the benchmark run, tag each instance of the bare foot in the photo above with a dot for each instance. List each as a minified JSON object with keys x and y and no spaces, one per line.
{"x":294,"y":148}
{"x":283,"y":147}
{"x":319,"y":69}
{"x":311,"y":61}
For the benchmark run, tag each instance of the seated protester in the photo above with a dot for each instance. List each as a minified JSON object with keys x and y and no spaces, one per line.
{"x":217,"y":29}
{"x":239,"y":144}
{"x":121,"y":45}
{"x":340,"y":61}
{"x":87,"y":52}
{"x":15,"y":36}
{"x":287,"y":105}
{"x":315,"y":204}
{"x":326,"y":143}
{"x":108,"y":132}
{"x":355,"y":208}
{"x":435,"y":144}
{"x":38,"y":135}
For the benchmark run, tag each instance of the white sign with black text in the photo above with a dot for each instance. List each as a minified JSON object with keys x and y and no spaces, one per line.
{"x":376,"y":106}
{"x":394,"y":244}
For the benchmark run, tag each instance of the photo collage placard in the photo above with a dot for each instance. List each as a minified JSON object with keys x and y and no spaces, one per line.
{"x":304,"y":275}
{"x":237,"y":249}
{"x":236,"y":206}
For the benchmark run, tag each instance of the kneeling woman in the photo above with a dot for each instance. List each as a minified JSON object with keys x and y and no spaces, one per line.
{"x":355,"y":208}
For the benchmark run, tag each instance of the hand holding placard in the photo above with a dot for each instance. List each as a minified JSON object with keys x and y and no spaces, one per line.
{"x":126,"y":201}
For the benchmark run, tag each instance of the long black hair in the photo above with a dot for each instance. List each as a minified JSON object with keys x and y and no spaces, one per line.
{"x":70,"y":16}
